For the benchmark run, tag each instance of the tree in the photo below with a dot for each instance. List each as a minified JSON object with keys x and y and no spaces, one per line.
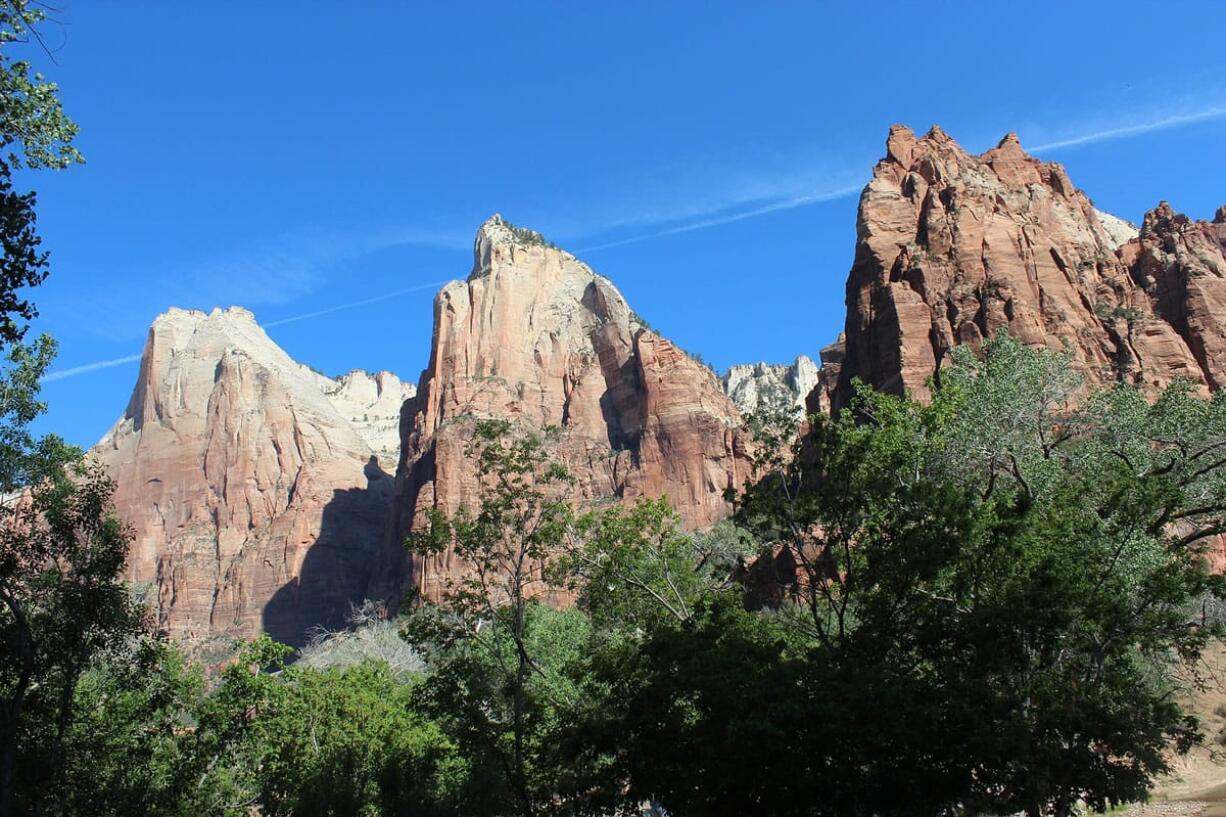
{"x":64,"y":602}
{"x":505,"y":546}
{"x":34,"y":133}
{"x":60,"y":550}
{"x":298,"y":742}
{"x":1013,"y":572}
{"x":126,"y":747}
{"x":985,"y":603}
{"x":631,"y":565}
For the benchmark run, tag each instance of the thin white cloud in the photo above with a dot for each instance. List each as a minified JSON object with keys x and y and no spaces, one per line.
{"x":729,"y":218}
{"x":294,"y":265}
{"x":89,"y":367}
{"x":697,"y":192}
{"x":280,"y":270}
{"x":708,"y":212}
{"x":120,"y":361}
{"x":341,"y":307}
{"x":1135,"y":129}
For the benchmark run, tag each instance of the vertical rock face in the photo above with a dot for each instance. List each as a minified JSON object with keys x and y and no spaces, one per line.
{"x":755,"y":385}
{"x":535,"y":337}
{"x":259,"y":489}
{"x":952,"y":247}
{"x":253,"y":483}
{"x":1181,"y":265}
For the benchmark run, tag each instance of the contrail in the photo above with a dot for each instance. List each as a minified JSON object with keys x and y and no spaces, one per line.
{"x":715,"y":221}
{"x":89,"y":367}
{"x":1125,"y":131}
{"x":1121,"y":132}
{"x":119,"y":361}
{"x":384,"y":297}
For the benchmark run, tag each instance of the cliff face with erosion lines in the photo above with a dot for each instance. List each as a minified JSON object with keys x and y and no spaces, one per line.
{"x":261,"y":494}
{"x":952,"y":247}
{"x":535,"y":337}
{"x":257,"y":488}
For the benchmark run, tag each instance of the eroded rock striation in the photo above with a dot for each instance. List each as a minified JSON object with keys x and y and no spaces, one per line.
{"x":372,"y":403}
{"x":952,"y":247}
{"x":752,"y":386}
{"x":535,"y":337}
{"x":254,"y":485}
{"x":1181,"y":265}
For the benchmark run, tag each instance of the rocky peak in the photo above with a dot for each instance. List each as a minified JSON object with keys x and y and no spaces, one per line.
{"x":759,"y":385}
{"x":181,"y":344}
{"x":900,"y":146}
{"x":952,"y":247}
{"x":256,"y":501}
{"x":536,"y":337}
{"x":372,"y":403}
{"x":1180,"y":264}
{"x":498,"y":241}
{"x":1163,"y":220}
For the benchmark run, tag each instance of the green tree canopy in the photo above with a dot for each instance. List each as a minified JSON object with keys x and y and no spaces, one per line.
{"x":988,"y":602}
{"x":34,"y":133}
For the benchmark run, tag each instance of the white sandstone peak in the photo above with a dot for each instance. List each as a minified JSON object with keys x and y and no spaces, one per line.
{"x":753,"y":385}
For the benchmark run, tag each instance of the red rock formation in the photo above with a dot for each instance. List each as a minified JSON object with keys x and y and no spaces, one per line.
{"x":254,"y":485}
{"x":821,"y":399}
{"x":536,"y":337}
{"x":952,"y":247}
{"x":1181,"y":265}
{"x":256,"y":499}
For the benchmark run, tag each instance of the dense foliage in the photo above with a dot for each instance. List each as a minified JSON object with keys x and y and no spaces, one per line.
{"x":34,"y":133}
{"x":990,"y":603}
{"x":62,"y":602}
{"x":986,"y":602}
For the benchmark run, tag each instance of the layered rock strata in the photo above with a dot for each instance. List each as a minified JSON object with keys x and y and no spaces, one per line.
{"x":535,"y":337}
{"x":259,"y":490}
{"x":252,"y":483}
{"x":952,"y":247}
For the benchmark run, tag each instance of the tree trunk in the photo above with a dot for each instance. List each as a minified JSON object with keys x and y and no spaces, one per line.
{"x":8,"y":759}
{"x":521,"y":681}
{"x":12,"y":709}
{"x":56,"y":772}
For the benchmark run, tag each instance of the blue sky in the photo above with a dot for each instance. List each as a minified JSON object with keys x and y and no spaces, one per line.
{"x":297,"y":157}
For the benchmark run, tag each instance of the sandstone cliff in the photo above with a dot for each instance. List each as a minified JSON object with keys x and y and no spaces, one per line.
{"x":259,"y":490}
{"x":535,"y":337}
{"x":1181,"y":265}
{"x":952,"y":247}
{"x":253,"y":483}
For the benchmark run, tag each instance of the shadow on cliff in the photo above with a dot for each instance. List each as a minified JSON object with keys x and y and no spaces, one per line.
{"x":337,"y":566}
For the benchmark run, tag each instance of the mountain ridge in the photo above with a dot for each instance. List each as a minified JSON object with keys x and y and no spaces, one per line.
{"x":265,"y":495}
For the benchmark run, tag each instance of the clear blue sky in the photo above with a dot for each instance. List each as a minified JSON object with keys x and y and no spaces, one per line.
{"x":293,"y":157}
